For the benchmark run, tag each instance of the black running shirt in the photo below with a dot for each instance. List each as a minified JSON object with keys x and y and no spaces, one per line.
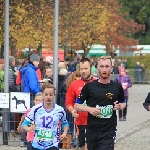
{"x":102,"y":96}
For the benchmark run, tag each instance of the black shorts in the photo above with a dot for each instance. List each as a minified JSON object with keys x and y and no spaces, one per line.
{"x":100,"y":140}
{"x":51,"y":148}
{"x":82,"y":135}
{"x":29,"y":145}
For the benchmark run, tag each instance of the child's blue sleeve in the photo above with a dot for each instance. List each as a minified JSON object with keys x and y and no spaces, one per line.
{"x":26,"y":122}
{"x":65,"y":124}
{"x":64,"y":120}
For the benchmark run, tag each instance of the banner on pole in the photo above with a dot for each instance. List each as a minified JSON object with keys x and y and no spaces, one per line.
{"x":4,"y":100}
{"x":19,"y":102}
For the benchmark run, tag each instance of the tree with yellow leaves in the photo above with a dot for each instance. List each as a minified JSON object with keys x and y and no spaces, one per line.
{"x":82,"y":23}
{"x":97,"y":22}
{"x":1,"y":28}
{"x":31,"y":23}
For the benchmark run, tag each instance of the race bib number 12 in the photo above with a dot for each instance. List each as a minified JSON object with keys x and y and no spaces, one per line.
{"x":105,"y":111}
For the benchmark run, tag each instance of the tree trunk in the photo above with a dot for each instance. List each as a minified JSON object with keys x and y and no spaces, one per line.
{"x":86,"y":51}
{"x":39,"y":49}
{"x":2,"y":51}
{"x":13,"y":50}
{"x":65,"y":52}
{"x":29,"y":49}
{"x":108,"y":48}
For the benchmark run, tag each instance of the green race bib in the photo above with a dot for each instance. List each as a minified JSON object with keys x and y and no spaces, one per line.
{"x":84,"y":104}
{"x":105,"y":111}
{"x":45,"y":135}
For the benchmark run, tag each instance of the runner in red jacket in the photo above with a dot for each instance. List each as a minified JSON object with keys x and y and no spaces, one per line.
{"x":71,"y":95}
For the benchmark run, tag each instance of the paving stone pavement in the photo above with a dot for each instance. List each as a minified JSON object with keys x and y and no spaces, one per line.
{"x":136,"y":138}
{"x":133,"y":134}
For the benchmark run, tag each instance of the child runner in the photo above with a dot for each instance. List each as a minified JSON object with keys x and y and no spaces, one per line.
{"x":30,"y":135}
{"x":44,"y":119}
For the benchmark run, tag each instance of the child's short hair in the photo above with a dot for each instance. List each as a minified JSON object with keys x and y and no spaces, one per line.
{"x":38,"y":94}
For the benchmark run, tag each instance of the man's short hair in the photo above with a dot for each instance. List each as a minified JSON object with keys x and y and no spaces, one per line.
{"x":83,"y":60}
{"x":11,"y":59}
{"x":106,"y":57}
{"x":67,"y":59}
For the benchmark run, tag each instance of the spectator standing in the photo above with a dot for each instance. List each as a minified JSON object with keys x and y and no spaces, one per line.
{"x":115,"y":71}
{"x":29,"y":81}
{"x":67,"y":62}
{"x":25,"y":64}
{"x":12,"y":88}
{"x":125,"y":63}
{"x":61,"y":76}
{"x":137,"y":71}
{"x":42,"y":65}
{"x":142,"y":73}
{"x":1,"y":77}
{"x":12,"y":75}
{"x":126,"y":83}
{"x":48,"y":74}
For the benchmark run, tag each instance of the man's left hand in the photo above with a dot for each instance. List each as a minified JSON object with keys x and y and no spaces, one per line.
{"x":117,"y":106}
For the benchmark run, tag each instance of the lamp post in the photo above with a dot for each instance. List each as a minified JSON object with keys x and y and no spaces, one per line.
{"x":6,"y":70}
{"x":55,"y":49}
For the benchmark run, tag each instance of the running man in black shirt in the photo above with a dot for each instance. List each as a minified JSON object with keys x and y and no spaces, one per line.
{"x":103,"y":98}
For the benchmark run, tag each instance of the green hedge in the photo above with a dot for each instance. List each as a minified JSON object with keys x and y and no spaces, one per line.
{"x":131,"y":61}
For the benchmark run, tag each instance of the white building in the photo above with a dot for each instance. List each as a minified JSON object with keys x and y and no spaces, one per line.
{"x":99,"y":50}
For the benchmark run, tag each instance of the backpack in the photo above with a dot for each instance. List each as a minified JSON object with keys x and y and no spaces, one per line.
{"x":1,"y":80}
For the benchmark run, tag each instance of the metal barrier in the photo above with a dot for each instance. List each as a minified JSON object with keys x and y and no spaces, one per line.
{"x":14,"y":119}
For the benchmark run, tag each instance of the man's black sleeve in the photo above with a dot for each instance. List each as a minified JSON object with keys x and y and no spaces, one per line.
{"x":83,"y":95}
{"x":147,"y":101}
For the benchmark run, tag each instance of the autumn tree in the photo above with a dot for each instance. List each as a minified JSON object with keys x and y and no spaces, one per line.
{"x":121,"y":36}
{"x":99,"y":22}
{"x":31,"y":23}
{"x":82,"y":23}
{"x":83,"y":19}
{"x":139,"y":11}
{"x":1,"y":28}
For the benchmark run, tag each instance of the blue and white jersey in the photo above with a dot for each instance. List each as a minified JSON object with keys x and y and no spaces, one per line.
{"x":47,"y":125}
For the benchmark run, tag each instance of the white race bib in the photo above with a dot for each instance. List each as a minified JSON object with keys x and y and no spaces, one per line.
{"x":45,"y":134}
{"x":105,"y":111}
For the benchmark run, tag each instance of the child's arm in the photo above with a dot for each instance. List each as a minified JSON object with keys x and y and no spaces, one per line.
{"x":20,"y":123}
{"x":27,"y":123}
{"x":65,"y":126}
{"x":22,"y":120}
{"x":28,"y":126}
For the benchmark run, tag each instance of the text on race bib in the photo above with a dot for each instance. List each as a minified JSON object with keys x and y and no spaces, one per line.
{"x":84,"y":104}
{"x":105,"y":111}
{"x":45,"y":135}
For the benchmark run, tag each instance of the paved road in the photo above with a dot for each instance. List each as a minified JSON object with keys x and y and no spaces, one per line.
{"x":133,"y":134}
{"x":136,"y":113}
